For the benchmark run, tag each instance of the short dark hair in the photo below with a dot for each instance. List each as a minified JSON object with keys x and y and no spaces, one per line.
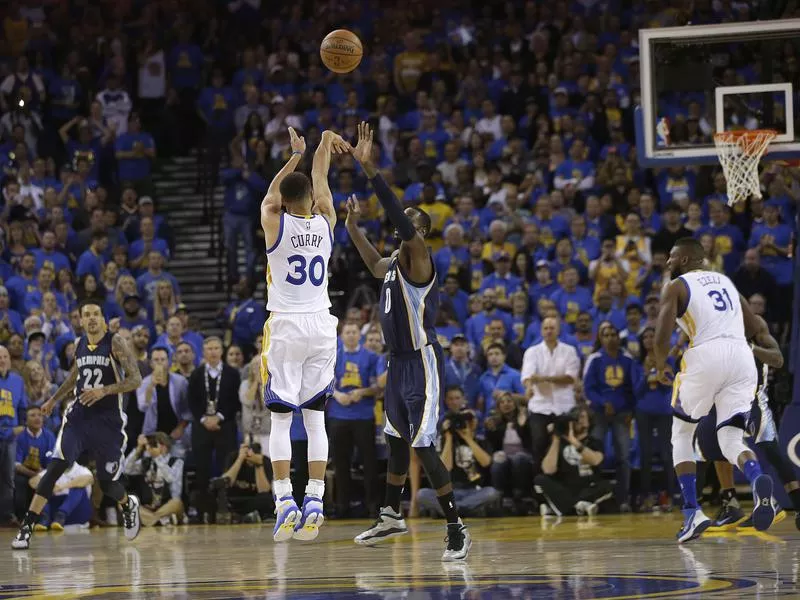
{"x":496,"y":345}
{"x":160,"y":349}
{"x":295,"y":187}
{"x":421,"y":220}
{"x":691,"y":247}
{"x":91,"y":302}
{"x":453,"y":388}
{"x":99,"y":235}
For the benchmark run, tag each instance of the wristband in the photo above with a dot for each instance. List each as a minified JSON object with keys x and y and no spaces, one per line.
{"x":296,"y":152}
{"x":580,"y":448}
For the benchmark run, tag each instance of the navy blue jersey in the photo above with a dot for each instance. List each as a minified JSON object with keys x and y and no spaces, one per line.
{"x":96,"y":368}
{"x":408,"y":311}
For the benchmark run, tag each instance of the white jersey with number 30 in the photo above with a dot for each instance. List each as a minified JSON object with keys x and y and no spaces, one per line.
{"x":297,"y":265}
{"x":714,"y":310}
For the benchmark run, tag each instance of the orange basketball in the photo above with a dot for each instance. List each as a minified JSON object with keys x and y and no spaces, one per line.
{"x":341,"y":51}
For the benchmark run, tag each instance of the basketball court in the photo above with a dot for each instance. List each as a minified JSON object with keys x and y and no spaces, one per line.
{"x":633,"y":556}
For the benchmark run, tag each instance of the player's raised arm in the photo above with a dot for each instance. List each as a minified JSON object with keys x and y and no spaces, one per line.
{"x":420,"y":265}
{"x":376,"y":264}
{"x":671,"y":295}
{"x":330,"y":143}
{"x":765,"y":347}
{"x":271,"y":204}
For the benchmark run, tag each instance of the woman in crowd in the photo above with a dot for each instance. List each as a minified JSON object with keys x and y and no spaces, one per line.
{"x":509,"y":438}
{"x":255,"y":416}
{"x":164,"y":305}
{"x":39,"y":389}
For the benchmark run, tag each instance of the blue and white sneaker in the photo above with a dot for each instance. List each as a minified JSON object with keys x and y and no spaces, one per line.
{"x":695,"y":522}
{"x":287,"y":517}
{"x":312,"y":518}
{"x":763,"y":509}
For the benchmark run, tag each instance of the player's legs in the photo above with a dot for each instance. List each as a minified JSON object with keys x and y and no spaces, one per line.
{"x":683,"y":457}
{"x":315,"y":387}
{"x":280,"y":452}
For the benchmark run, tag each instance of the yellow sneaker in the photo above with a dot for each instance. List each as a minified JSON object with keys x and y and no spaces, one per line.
{"x":56,"y":526}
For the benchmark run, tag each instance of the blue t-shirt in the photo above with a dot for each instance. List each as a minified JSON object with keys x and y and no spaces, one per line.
{"x":13,"y":403}
{"x":779,"y":266}
{"x":34,"y":452}
{"x":18,"y":288}
{"x":185,"y":66}
{"x":89,"y":262}
{"x":147,"y":283}
{"x":55,"y":260}
{"x":354,"y":370}
{"x":503,"y":286}
{"x":133,"y":169}
{"x":136,"y":250}
{"x":506,"y":379}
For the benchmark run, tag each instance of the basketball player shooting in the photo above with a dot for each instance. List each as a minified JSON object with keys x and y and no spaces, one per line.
{"x":104,"y":369}
{"x":299,"y":353}
{"x":717,"y":370}
{"x":408,"y":305}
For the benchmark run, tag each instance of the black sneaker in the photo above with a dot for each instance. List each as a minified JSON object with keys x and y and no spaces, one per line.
{"x":22,"y":541}
{"x":458,"y":542}
{"x":728,"y":517}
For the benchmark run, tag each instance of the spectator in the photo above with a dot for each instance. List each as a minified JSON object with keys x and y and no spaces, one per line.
{"x":244,"y":489}
{"x":91,"y":262}
{"x":13,"y":402}
{"x":19,"y":286}
{"x":39,"y":389}
{"x":135,"y":151}
{"x":672,"y":229}
{"x":499,"y":380}
{"x":608,"y":382}
{"x":164,"y":305}
{"x":185,"y":360}
{"x":751,"y":278}
{"x":570,"y":482}
{"x":146,"y":282}
{"x":243,"y":192}
{"x":156,"y":477}
{"x":11,"y":320}
{"x":34,"y":446}
{"x":654,"y":415}
{"x":163,"y":399}
{"x":256,"y":421}
{"x":463,"y":373}
{"x":173,"y":335}
{"x":71,"y":502}
{"x":214,"y":407}
{"x":502,"y":281}
{"x":509,"y":439}
{"x":773,"y":240}
{"x":550,"y":370}
{"x":465,"y":459}
{"x":351,"y":415}
{"x":116,"y":105}
{"x":141,"y":250}
{"x":48,"y":256}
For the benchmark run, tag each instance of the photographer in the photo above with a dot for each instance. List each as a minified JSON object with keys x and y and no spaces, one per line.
{"x":156,"y":477}
{"x":465,"y":459}
{"x":244,"y":489}
{"x":509,"y":438}
{"x":569,"y":482}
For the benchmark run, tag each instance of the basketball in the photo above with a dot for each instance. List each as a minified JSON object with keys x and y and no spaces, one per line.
{"x":341,"y":51}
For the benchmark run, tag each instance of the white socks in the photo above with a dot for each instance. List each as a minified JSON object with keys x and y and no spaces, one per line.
{"x":315,"y":488}
{"x":283,"y":488}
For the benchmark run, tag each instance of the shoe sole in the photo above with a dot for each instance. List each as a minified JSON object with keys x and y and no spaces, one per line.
{"x":459,"y":558}
{"x":779,"y":516}
{"x":727,"y":527}
{"x":310,"y":529}
{"x":15,"y":546}
{"x":285,"y":530}
{"x":697,"y":532}
{"x":763,"y":513}
{"x":374,"y":540}
{"x":132,"y":536}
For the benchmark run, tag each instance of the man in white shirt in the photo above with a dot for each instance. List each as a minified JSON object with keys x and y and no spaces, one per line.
{"x":549,"y":372}
{"x":116,"y":105}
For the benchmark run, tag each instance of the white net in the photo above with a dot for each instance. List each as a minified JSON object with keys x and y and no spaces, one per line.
{"x":739,"y":153}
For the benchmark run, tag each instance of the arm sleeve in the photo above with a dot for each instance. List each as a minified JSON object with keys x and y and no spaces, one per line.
{"x":393,"y":208}
{"x":589,"y":383}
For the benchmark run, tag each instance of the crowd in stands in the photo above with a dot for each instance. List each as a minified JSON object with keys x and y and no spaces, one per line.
{"x":510,"y":124}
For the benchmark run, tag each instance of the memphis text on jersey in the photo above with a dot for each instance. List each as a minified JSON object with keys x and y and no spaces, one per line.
{"x":306,"y":239}
{"x":93,"y":361}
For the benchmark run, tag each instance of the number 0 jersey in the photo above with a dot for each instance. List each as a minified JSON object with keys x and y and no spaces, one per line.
{"x":97,"y":368}
{"x":297,"y":265}
{"x":714,"y":310}
{"x":408,"y":311}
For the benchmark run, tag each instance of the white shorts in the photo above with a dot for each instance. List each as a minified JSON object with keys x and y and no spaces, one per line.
{"x":721,"y":373}
{"x":298,"y":357}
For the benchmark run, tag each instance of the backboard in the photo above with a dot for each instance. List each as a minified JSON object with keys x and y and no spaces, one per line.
{"x":697,"y":80}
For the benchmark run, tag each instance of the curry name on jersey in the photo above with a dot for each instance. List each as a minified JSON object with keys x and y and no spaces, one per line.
{"x":297,"y":265}
{"x":96,"y":367}
{"x":408,"y":311}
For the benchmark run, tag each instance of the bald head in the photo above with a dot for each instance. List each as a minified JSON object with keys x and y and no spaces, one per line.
{"x":550,"y":330}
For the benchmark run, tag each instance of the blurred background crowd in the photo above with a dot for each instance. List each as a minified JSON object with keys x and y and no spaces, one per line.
{"x":510,"y":123}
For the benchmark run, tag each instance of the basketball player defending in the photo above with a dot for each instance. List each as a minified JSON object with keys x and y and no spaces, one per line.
{"x":717,"y":370}
{"x":408,"y":305}
{"x":761,"y":430}
{"x":299,"y":353}
{"x":104,"y":369}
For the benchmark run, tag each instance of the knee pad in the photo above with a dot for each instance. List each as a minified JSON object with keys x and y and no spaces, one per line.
{"x":55,"y":469}
{"x":113,"y":489}
{"x":682,"y":441}
{"x":280,"y":441}
{"x":434,"y":467}
{"x":731,"y":442}
{"x":399,"y":455}
{"x":314,"y":421}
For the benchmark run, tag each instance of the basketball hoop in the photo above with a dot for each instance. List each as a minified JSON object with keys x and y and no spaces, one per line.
{"x":739,"y":153}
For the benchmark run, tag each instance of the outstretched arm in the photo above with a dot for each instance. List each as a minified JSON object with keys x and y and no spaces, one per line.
{"x":271,"y":204}
{"x":133,"y":378}
{"x":376,"y":264}
{"x":414,"y":250}
{"x":323,"y":199}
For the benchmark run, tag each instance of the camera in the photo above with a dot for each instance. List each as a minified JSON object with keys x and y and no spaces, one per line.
{"x":460,"y":420}
{"x":255,"y":447}
{"x":561,"y":423}
{"x":218,"y":483}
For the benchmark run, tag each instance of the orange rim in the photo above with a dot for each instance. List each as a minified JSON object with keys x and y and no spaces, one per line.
{"x":751,"y":141}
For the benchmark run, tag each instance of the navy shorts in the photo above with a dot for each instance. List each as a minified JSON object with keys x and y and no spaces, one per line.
{"x":100,"y":432}
{"x":760,"y":427}
{"x":414,"y":393}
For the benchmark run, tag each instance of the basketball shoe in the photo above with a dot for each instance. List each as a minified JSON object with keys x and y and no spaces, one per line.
{"x":389,"y":524}
{"x":22,"y":541}
{"x":287,"y":517}
{"x":728,"y":517}
{"x":458,"y":541}
{"x":311,"y":520}
{"x":763,"y":505}
{"x":131,"y":520}
{"x":695,"y":522}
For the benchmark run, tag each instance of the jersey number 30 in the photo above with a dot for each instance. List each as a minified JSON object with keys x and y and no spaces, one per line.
{"x":314,"y":270}
{"x":722,"y":301}
{"x":88,"y":384}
